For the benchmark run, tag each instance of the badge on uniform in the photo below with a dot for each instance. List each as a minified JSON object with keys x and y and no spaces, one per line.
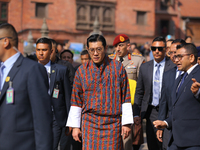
{"x":10,"y":94}
{"x":131,"y":67}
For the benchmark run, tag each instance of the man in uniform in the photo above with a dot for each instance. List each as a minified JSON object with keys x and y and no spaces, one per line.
{"x":132,"y":63}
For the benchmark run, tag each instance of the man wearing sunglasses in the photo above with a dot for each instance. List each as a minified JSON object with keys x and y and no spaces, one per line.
{"x":184,"y":118}
{"x":148,"y":90}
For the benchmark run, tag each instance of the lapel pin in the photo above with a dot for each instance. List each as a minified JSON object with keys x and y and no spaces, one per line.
{"x":53,"y":71}
{"x":7,"y":79}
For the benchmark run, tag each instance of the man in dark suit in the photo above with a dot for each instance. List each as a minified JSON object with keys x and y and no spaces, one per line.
{"x":149,"y":88}
{"x":55,"y":59}
{"x":60,"y":90}
{"x":184,"y":118}
{"x":167,"y":84}
{"x":25,"y":109}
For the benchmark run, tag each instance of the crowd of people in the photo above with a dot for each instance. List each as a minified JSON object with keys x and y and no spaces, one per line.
{"x":102,"y":102}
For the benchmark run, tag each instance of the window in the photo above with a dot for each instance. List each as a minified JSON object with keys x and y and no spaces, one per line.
{"x":87,"y":11}
{"x":141,"y":18}
{"x":107,"y":15}
{"x":81,"y":13}
{"x":41,"y":10}
{"x":164,"y":27}
{"x":164,"y":4}
{"x":3,"y":12}
{"x":94,"y":12}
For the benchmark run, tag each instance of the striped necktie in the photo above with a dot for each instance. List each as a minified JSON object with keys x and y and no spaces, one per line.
{"x":1,"y":75}
{"x":182,"y":81}
{"x":156,"y":84}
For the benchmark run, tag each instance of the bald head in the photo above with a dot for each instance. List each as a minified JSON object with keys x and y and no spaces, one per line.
{"x":8,"y":31}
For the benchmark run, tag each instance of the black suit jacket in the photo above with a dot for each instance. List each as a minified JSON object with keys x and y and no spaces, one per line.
{"x":184,"y":118}
{"x":70,"y":70}
{"x":165,"y":104}
{"x":26,"y":124}
{"x":143,"y":94}
{"x":61,"y":105}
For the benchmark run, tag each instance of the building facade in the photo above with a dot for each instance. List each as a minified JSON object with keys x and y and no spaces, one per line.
{"x":73,"y":20}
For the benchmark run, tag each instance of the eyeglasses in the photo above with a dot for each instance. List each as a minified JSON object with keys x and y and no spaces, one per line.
{"x":5,"y":37}
{"x":180,"y":56}
{"x":153,"y":48}
{"x":98,"y":50}
{"x":172,"y":53}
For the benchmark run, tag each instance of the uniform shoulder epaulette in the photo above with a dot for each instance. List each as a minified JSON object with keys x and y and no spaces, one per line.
{"x":136,"y":54}
{"x":110,"y":55}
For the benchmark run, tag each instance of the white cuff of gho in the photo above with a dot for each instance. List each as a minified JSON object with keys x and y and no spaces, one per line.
{"x":74,"y":117}
{"x":127,"y":114}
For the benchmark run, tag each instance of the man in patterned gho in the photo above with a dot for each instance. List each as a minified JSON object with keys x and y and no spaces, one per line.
{"x":101,"y":108}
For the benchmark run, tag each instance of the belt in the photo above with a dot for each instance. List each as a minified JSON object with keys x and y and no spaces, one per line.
{"x":154,"y":107}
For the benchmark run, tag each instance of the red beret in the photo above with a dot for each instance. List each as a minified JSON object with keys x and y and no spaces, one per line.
{"x":121,"y":38}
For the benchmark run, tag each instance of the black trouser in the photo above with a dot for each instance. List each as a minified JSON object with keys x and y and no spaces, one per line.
{"x":152,"y":141}
{"x":68,"y":143}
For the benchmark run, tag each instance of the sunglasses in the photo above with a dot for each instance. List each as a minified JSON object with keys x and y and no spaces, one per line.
{"x":159,"y":48}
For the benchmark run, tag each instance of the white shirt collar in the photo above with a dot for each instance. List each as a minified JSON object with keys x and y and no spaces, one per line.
{"x":190,"y":70}
{"x":10,"y":61}
{"x":162,"y":63}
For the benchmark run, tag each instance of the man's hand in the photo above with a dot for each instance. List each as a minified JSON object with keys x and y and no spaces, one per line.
{"x":126,"y":130}
{"x":137,"y":120}
{"x":159,"y":134}
{"x":195,"y":86}
{"x":159,"y":124}
{"x":76,"y":134}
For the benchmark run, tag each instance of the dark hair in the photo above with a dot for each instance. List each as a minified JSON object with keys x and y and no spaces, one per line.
{"x":190,"y":48}
{"x":160,"y":39}
{"x":96,"y":38}
{"x":66,"y":41}
{"x":11,"y":33}
{"x":179,"y":41}
{"x":66,"y":50}
{"x":84,"y":52}
{"x":53,"y":42}
{"x":188,"y":37}
{"x":46,"y":41}
{"x":170,"y":40}
{"x":134,"y":44}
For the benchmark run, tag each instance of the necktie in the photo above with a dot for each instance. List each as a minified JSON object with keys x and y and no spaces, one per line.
{"x":1,"y":75}
{"x":121,"y":59}
{"x":156,"y":84}
{"x":179,"y":73}
{"x":182,"y":81}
